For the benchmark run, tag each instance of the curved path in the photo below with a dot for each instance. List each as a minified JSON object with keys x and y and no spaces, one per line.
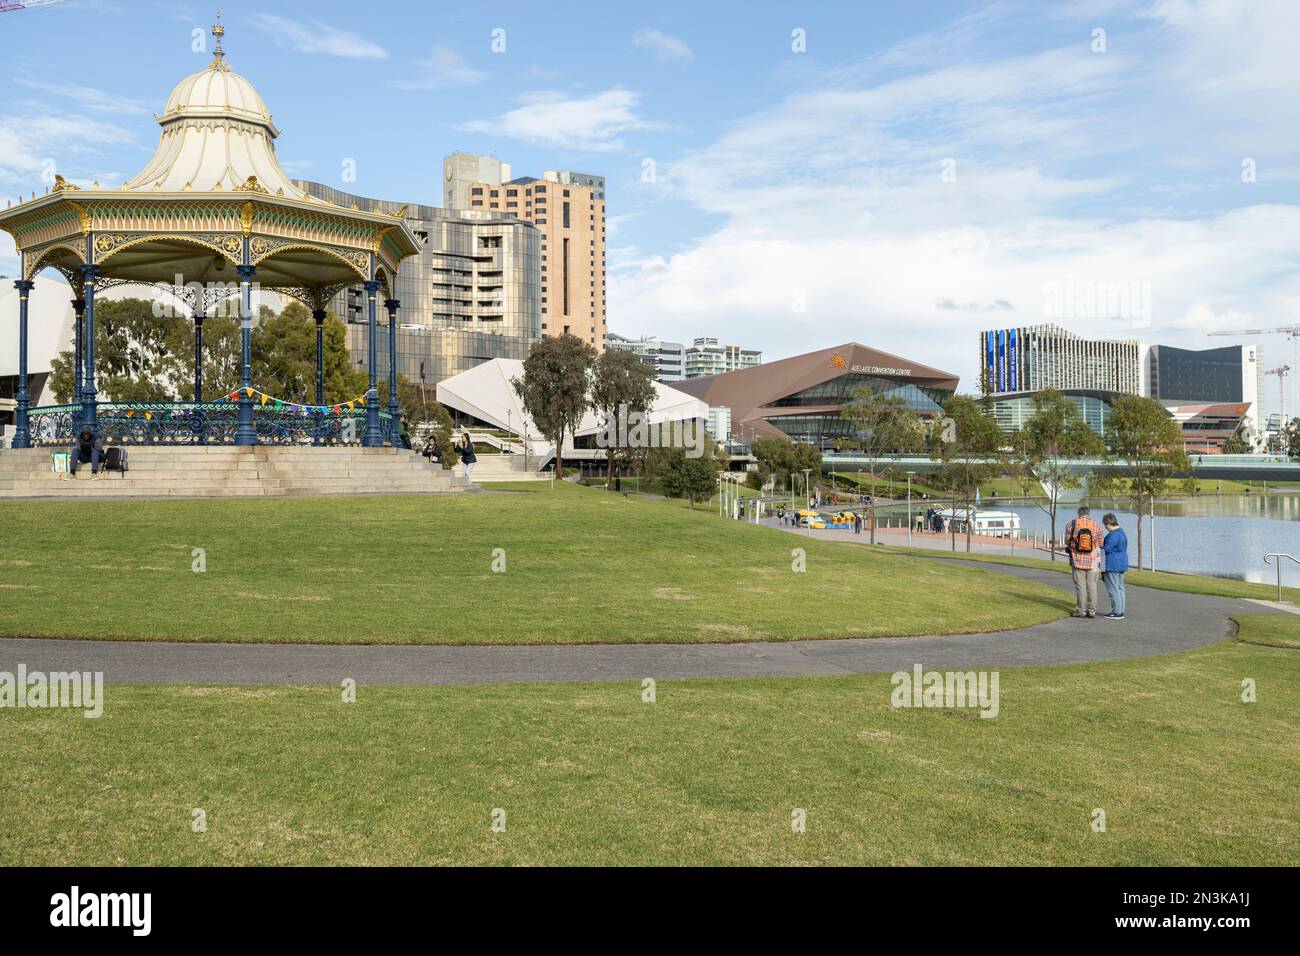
{"x":1159,"y":622}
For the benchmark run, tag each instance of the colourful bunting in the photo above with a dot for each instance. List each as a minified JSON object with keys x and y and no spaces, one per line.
{"x":293,"y":407}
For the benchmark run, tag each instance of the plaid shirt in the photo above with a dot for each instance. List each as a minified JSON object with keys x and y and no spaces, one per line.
{"x":1092,"y":560}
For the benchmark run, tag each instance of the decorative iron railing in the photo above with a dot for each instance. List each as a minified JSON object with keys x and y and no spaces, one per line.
{"x":205,"y":423}
{"x":53,"y":424}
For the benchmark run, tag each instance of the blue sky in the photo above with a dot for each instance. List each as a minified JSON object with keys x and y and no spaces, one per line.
{"x":917,"y":173}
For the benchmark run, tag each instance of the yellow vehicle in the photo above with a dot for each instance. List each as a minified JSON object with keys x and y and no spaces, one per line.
{"x":811,"y":519}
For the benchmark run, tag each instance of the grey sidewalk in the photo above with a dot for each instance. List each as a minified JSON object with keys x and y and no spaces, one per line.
{"x":1159,"y":622}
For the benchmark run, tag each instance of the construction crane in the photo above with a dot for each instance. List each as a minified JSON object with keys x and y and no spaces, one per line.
{"x":1290,"y":331}
{"x":7,"y":6}
{"x":1281,"y":374}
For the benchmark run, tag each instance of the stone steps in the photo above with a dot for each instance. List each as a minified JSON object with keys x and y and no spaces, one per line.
{"x":229,"y":471}
{"x":503,"y":468}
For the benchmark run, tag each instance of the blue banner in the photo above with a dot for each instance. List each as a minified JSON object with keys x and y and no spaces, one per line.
{"x":1002,"y":360}
{"x":1011,"y":360}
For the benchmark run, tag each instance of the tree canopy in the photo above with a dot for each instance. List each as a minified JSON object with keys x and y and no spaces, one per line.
{"x":1146,"y":452}
{"x":885,"y":424}
{"x":783,"y":459}
{"x":142,"y":357}
{"x":1055,"y":434}
{"x":620,"y":384}
{"x":971,"y":448}
{"x":554,"y":387}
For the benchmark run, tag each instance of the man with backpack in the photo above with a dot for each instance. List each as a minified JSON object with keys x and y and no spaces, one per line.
{"x":1083,"y":542}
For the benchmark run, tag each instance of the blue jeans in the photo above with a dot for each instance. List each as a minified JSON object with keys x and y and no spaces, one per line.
{"x":73,"y":460}
{"x":1115,"y":591}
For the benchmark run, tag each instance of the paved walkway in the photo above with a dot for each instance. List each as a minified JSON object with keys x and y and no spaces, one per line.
{"x":898,"y":537}
{"x":1159,"y":622}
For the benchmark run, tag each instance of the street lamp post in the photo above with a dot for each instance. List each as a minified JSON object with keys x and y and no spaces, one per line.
{"x":1153,"y":531}
{"x":424,"y":402}
{"x":909,"y":507}
{"x":807,"y":493}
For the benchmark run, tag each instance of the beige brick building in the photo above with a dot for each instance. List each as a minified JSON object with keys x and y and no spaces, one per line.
{"x":568,"y":210}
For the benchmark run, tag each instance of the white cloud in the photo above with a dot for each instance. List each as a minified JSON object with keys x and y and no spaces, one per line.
{"x":317,"y":38}
{"x":592,"y":123}
{"x":31,"y":145}
{"x":614,"y":224}
{"x":838,"y":223}
{"x":662,"y":45}
{"x":792,"y":293}
{"x":88,"y":99}
{"x":444,"y":68}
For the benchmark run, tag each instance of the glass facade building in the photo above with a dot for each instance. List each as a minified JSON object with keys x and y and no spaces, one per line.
{"x":706,"y":357}
{"x":844,"y":388}
{"x":472,"y":294}
{"x":1033,"y":358}
{"x":668,"y":359}
{"x":1183,"y":375}
{"x":805,"y":397}
{"x":1206,"y":376}
{"x":568,"y":209}
{"x":1013,"y":412}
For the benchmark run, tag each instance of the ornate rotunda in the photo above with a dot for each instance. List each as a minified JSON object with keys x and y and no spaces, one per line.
{"x":214,"y":207}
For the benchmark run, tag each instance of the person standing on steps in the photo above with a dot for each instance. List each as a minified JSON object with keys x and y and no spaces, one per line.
{"x":1083,"y":542}
{"x":467,"y":456}
{"x":1115,"y":549}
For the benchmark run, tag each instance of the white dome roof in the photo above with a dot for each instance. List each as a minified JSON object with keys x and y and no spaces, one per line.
{"x":217,"y":91}
{"x":217,"y":135}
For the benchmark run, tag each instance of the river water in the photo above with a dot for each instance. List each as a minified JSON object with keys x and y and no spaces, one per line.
{"x":1224,"y":536}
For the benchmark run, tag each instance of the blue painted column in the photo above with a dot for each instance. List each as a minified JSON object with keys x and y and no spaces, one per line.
{"x":391,"y":305}
{"x":89,"y":396}
{"x":245,"y":433}
{"x":22,"y":431}
{"x":319,"y":316}
{"x":78,"y":351}
{"x":373,"y":437}
{"x":198,"y":354}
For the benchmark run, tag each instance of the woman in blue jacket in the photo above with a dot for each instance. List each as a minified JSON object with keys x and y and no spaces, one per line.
{"x":1115,"y":552}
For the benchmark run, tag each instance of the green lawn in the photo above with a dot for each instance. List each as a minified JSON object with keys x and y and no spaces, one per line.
{"x":581,"y":566}
{"x":854,"y":483}
{"x":709,"y":774}
{"x":1270,"y":630}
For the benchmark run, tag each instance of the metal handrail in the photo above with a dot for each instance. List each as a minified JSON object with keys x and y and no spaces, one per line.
{"x":1280,"y":555}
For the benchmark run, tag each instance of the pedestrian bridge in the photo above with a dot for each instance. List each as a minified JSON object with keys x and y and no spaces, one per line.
{"x":1235,"y":467}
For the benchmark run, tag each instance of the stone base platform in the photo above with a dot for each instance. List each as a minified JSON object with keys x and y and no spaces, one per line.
{"x":227,"y":471}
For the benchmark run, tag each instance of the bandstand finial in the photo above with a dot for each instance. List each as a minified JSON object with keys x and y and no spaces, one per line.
{"x":218,"y":54}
